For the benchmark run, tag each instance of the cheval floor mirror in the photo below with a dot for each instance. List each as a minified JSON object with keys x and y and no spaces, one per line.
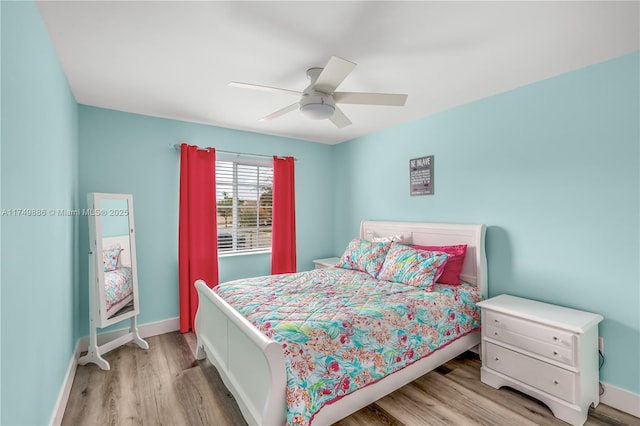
{"x":113,"y":275}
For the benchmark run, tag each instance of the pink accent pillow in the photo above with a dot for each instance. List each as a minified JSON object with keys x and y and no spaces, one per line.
{"x":455,"y":261}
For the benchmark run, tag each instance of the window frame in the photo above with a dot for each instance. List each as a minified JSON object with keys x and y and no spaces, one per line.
{"x":236,"y":229}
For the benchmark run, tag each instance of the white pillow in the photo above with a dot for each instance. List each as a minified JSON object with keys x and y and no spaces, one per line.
{"x":371,"y":236}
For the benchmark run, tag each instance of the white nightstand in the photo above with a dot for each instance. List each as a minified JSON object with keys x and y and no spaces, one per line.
{"x":326,"y":263}
{"x":546,"y":351}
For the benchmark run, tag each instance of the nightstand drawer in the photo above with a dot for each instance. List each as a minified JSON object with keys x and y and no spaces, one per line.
{"x":542,"y":333}
{"x":546,"y":377}
{"x":556,"y":352}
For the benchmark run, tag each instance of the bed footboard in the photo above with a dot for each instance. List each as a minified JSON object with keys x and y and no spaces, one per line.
{"x":251,"y":365}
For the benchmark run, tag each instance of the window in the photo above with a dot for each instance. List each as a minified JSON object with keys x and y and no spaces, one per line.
{"x":244,"y":192}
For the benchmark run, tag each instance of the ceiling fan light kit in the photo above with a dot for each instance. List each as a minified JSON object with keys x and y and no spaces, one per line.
{"x":318,"y":101}
{"x":317,"y":111}
{"x":317,"y":106}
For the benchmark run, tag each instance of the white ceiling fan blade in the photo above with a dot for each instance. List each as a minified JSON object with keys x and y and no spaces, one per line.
{"x":336,"y":70}
{"x":339,"y":119}
{"x":280,"y":112}
{"x":390,"y":99}
{"x":264,"y":88}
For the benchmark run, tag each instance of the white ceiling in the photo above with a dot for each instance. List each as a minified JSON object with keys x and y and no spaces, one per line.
{"x":175,"y":59}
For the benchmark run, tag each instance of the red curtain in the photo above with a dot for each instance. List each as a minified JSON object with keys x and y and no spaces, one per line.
{"x":283,"y":245}
{"x":198,"y":233}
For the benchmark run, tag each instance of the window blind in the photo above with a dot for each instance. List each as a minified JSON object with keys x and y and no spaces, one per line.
{"x":244,"y":193}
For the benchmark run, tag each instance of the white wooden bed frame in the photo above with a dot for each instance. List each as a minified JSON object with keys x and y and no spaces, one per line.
{"x":252,"y":366}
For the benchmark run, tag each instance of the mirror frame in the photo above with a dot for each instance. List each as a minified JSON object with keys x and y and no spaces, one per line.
{"x":96,"y":272}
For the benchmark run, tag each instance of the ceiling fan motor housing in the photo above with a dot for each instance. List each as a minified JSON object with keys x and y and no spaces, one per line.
{"x":316,"y":105}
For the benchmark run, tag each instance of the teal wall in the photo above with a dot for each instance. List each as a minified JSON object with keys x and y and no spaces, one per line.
{"x":551,"y":168}
{"x":0,"y":219}
{"x":39,"y":254}
{"x":131,"y":154}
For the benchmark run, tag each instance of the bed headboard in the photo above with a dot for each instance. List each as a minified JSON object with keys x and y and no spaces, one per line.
{"x":474,"y":270}
{"x":123,"y":240}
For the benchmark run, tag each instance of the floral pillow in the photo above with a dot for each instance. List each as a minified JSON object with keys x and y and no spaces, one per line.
{"x":455,"y":262}
{"x":365,"y":256}
{"x":419,"y":268}
{"x":110,"y":258}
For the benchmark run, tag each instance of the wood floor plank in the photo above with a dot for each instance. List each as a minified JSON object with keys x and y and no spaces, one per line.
{"x":100,"y":394}
{"x":124,"y":407}
{"x":200,"y":405}
{"x":80,"y":396}
{"x":604,"y":415}
{"x":468,"y":375}
{"x":412,"y":406}
{"x":371,"y":415}
{"x":184,"y":357}
{"x":157,"y":369}
{"x":225,"y":399}
{"x":165,"y":385}
{"x":469,"y":403}
{"x":112,"y":390}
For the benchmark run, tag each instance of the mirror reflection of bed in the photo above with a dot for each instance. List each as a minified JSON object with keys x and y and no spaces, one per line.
{"x":116,"y":256}
{"x":118,"y":275}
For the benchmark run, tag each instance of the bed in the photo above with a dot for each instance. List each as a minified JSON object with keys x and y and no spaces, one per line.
{"x":256,"y":364}
{"x":118,"y":277}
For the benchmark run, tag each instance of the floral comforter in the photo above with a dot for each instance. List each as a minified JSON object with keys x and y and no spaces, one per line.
{"x":117,"y":285}
{"x":342,"y":330}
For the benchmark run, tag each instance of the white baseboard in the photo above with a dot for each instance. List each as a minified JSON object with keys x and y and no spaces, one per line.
{"x":621,"y":399}
{"x":63,"y":396}
{"x":146,"y":330}
{"x":159,"y":327}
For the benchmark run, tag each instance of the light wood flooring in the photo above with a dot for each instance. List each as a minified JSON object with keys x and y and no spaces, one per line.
{"x":166,"y":385}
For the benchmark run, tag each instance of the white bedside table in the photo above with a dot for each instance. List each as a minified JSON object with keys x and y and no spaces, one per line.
{"x":326,"y":263}
{"x":546,"y":351}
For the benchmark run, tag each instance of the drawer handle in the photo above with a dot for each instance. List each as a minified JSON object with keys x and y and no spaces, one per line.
{"x":497,"y":359}
{"x":495,"y":333}
{"x":555,"y":353}
{"x":555,"y":382}
{"x":496,"y":321}
{"x":555,"y":338}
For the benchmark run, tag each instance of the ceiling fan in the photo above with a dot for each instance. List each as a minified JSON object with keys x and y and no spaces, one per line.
{"x":318,"y":101}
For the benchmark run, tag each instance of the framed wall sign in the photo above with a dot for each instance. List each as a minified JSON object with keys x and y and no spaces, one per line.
{"x":421,"y":175}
